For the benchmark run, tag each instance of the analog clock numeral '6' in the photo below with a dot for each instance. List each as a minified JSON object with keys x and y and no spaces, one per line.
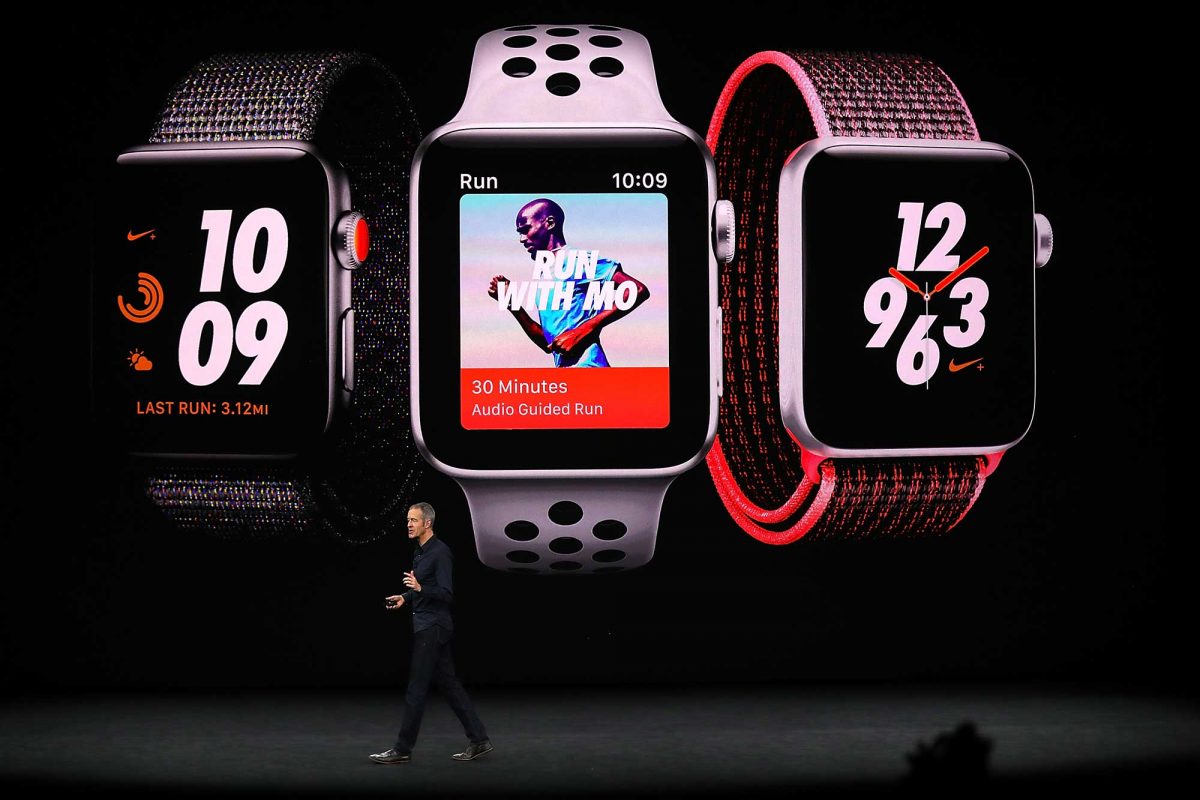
{"x":919,"y":355}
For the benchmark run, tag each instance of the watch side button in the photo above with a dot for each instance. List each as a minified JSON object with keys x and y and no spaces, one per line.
{"x":720,"y":349}
{"x":348,"y":350}
{"x":1045,"y":239}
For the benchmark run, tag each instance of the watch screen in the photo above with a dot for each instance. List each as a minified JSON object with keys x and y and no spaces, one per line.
{"x":564,"y":310}
{"x":919,"y":298}
{"x":564,"y":299}
{"x":209,"y":304}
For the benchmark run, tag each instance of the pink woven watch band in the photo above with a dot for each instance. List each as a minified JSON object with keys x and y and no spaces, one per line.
{"x":773,"y":103}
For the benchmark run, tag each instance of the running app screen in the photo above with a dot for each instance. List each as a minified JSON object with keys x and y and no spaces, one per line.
{"x":564,"y":320}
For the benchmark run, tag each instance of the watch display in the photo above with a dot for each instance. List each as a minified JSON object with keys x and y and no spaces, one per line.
{"x":211,"y":314}
{"x":565,"y":317}
{"x":555,"y":280}
{"x":917,"y":265}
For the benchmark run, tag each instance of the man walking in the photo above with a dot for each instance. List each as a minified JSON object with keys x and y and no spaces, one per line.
{"x":430,"y":592}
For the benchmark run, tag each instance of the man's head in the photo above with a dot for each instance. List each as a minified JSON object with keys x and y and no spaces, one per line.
{"x":540,"y":225}
{"x":420,"y":520}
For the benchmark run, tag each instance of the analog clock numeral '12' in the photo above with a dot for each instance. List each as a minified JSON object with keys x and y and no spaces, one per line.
{"x":940,"y":259}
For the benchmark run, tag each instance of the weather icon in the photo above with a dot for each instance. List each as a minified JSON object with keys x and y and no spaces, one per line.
{"x":138,"y":360}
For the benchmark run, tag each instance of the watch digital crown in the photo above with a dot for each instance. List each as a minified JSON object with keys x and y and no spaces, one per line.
{"x":1045,"y":240}
{"x":353,"y":240}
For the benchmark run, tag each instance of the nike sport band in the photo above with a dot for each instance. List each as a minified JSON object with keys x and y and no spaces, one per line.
{"x":879,"y":323}
{"x":565,"y":325}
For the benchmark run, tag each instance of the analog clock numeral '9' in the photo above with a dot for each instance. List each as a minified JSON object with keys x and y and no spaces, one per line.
{"x":265,"y":349}
{"x":886,"y":318}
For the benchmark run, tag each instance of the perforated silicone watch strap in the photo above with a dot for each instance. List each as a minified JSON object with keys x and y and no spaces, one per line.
{"x":773,"y":103}
{"x":355,"y":111}
{"x":564,"y":526}
{"x":564,"y":75}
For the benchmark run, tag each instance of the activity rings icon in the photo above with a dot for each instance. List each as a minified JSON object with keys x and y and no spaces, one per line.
{"x":151,"y":290}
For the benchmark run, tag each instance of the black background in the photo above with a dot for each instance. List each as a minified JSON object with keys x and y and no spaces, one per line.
{"x":1065,"y":569}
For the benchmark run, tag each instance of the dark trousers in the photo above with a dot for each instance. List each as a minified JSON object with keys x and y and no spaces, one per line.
{"x":432,"y":663}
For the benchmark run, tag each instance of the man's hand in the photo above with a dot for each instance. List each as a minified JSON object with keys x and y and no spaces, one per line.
{"x":493,"y":291}
{"x":410,"y":580}
{"x":393,"y":602}
{"x":569,"y":340}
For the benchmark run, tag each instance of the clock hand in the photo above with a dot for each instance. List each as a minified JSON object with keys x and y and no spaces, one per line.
{"x":966,"y":265}
{"x":927,"y":335}
{"x":898,"y":275}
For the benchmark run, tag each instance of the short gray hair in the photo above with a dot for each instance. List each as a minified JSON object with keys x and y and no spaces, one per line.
{"x":426,"y":511}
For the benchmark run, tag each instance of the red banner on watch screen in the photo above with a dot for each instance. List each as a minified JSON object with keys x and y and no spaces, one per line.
{"x":551,"y":398}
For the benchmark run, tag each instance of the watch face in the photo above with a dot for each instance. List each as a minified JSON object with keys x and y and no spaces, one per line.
{"x":917,"y":268}
{"x":210,"y":302}
{"x":564,"y":299}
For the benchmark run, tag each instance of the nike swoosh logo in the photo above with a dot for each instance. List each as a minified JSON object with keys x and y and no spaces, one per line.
{"x":956,"y":367}
{"x":133,"y":237}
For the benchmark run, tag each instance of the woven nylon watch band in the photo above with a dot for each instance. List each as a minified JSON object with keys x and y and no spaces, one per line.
{"x":773,"y":103}
{"x":355,"y":111}
{"x":564,"y":75}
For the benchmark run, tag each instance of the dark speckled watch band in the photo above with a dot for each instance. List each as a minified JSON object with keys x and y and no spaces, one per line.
{"x":355,"y":111}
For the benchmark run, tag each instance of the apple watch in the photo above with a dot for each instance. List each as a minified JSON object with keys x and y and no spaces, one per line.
{"x":251,"y":300}
{"x":879,"y":325}
{"x":565,"y":333}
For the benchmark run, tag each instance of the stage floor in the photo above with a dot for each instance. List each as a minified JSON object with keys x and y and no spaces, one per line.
{"x":840,"y":739}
